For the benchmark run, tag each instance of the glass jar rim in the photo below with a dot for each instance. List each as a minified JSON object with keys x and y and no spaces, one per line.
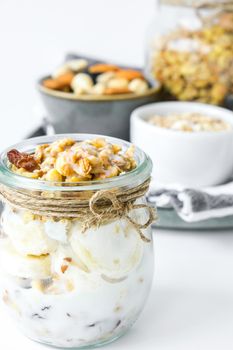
{"x":132,"y":178}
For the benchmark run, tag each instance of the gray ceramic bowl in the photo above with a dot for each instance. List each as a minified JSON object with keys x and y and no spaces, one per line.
{"x":107,"y":115}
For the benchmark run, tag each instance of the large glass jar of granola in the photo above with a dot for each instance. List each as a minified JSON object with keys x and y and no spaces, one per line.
{"x":76,"y":247}
{"x":190,"y":50}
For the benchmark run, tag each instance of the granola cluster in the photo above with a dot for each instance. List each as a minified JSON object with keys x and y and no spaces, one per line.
{"x":189,"y":122}
{"x":196,"y":64}
{"x":67,"y":160}
{"x":79,"y":78}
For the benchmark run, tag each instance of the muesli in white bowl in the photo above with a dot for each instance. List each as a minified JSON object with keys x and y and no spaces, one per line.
{"x":191,"y":144}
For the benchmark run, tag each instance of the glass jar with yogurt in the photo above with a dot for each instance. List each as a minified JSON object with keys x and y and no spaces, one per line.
{"x":76,"y":249}
{"x":190,"y":50}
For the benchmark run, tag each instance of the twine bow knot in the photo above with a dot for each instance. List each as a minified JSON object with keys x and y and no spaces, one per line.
{"x":120,"y":209}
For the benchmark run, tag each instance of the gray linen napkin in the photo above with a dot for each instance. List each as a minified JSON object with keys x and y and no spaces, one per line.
{"x":195,"y":205}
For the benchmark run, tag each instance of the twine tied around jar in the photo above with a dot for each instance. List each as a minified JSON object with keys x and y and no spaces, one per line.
{"x":91,"y":208}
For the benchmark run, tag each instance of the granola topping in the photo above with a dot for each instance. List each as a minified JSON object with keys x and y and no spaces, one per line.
{"x":71,"y":161}
{"x":189,"y":122}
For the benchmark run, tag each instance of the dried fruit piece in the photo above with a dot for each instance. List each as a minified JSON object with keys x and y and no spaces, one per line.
{"x":102,"y":68}
{"x":22,"y":160}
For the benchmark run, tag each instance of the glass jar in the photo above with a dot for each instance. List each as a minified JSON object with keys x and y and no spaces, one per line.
{"x":63,"y":286}
{"x":190,"y":50}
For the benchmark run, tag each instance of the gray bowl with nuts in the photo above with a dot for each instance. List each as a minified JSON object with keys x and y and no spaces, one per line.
{"x":94,"y":98}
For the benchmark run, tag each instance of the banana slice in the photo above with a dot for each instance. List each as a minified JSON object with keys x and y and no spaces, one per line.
{"x":71,"y":273}
{"x":113,"y":249}
{"x":23,"y":266}
{"x":64,"y":261}
{"x":28,"y":237}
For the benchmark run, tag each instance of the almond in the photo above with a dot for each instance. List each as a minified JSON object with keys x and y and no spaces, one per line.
{"x":61,"y":82}
{"x":115,"y":91}
{"x":129,"y":74}
{"x":102,"y":68}
{"x":51,"y":84}
{"x":65,"y":79}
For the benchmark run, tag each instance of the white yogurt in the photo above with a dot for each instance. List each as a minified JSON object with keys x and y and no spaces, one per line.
{"x":97,"y":282}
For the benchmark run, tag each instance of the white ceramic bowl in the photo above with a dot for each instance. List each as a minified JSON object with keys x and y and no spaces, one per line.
{"x":195,"y":159}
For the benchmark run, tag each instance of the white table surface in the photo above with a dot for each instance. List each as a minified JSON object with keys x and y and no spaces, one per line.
{"x":191,"y":302}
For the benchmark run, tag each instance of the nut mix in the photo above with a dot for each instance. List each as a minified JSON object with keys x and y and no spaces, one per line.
{"x":77,"y":77}
{"x":196,"y":64}
{"x":189,"y":122}
{"x":71,"y":161}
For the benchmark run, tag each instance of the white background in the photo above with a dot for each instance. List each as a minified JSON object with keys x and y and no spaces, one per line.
{"x":36,"y":34}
